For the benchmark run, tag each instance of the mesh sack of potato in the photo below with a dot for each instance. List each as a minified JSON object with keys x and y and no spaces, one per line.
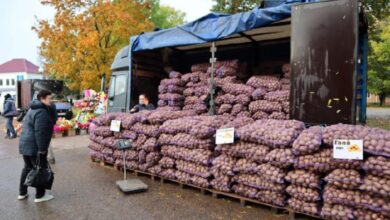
{"x":141,"y":139}
{"x":225,"y":99}
{"x":167,"y":162}
{"x":174,"y":81}
{"x":193,"y":168}
{"x":298,"y":205}
{"x":103,"y":131}
{"x":260,"y":115}
{"x":244,"y":165}
{"x":272,"y":197}
{"x":344,"y":179}
{"x":224,"y":108}
{"x":155,"y":170}
{"x":308,"y":142}
{"x":271,"y":173}
{"x":316,"y":162}
{"x":191,"y":179}
{"x":304,"y":178}
{"x":376,"y":185}
{"x":303,"y":193}
{"x":282,"y":158}
{"x":131,"y":155}
{"x":224,"y":164}
{"x":268,"y":82}
{"x":237,"y":89}
{"x":265,"y":106}
{"x":258,"y":94}
{"x":97,"y":139}
{"x":278,"y":116}
{"x":242,"y":99}
{"x":149,"y":145}
{"x":126,"y":134}
{"x":377,"y":142}
{"x":279,"y":96}
{"x":168,"y":173}
{"x":200,"y":156}
{"x":337,"y":212}
{"x":244,"y":190}
{"x":95,"y":146}
{"x":377,"y":165}
{"x":110,"y":142}
{"x":258,"y":182}
{"x":363,"y":214}
{"x":221,"y":182}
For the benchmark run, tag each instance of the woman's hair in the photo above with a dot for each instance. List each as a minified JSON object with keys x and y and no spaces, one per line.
{"x":144,"y":95}
{"x":43,"y":94}
{"x":7,"y":96}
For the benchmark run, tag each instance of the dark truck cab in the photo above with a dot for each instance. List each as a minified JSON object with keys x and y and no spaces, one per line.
{"x":27,"y":91}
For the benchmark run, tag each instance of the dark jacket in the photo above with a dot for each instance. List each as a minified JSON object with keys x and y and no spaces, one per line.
{"x":140,"y":107}
{"x":9,"y":108}
{"x":37,"y":129}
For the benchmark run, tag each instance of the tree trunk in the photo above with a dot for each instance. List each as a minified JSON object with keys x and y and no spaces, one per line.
{"x":382,"y":98}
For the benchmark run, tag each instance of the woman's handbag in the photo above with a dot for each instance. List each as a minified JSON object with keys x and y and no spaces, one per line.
{"x":40,"y":177}
{"x":21,"y":116}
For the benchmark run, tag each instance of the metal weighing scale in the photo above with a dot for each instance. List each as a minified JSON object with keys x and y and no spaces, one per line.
{"x":132,"y":185}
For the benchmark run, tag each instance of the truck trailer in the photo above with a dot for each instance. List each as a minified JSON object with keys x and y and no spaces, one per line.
{"x":324,"y":41}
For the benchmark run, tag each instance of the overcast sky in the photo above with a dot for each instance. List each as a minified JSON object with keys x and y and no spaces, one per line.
{"x":17,"y":40}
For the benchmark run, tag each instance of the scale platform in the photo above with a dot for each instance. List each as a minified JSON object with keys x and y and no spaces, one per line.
{"x":131,"y":185}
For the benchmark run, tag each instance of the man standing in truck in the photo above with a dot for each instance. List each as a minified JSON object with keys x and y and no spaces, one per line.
{"x":143,"y":104}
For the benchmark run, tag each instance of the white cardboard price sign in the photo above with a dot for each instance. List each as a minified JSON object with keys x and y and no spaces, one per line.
{"x":348,"y":149}
{"x":224,"y":136}
{"x":115,"y":126}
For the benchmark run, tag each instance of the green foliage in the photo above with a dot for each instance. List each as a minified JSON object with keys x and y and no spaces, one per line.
{"x":235,"y":6}
{"x":379,"y":61}
{"x":164,"y":16}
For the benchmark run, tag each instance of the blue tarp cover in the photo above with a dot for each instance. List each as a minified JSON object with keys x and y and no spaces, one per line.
{"x":212,"y":27}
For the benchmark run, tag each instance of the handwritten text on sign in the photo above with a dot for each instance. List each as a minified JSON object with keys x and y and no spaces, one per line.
{"x":224,"y":136}
{"x":348,"y":149}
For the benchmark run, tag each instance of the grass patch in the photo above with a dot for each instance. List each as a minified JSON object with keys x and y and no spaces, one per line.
{"x":379,"y":123}
{"x":376,"y":105}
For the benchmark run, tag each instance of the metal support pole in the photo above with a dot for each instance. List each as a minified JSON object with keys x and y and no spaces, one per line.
{"x":213,"y":59}
{"x":124,"y":165}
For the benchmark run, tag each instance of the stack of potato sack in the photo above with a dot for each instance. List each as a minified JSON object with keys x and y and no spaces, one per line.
{"x":196,"y":88}
{"x":234,"y":96}
{"x":103,"y":144}
{"x":264,"y":156}
{"x":227,"y":155}
{"x":305,"y":184}
{"x":270,"y":97}
{"x":349,"y":194}
{"x":187,"y":146}
{"x":171,"y":92}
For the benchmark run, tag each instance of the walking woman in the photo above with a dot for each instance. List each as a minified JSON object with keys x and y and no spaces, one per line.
{"x":35,"y":140}
{"x":9,"y":113}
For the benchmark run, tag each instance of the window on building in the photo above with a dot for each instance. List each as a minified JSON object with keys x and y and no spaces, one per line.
{"x":13,"y":82}
{"x":1,"y":82}
{"x":7,"y":82}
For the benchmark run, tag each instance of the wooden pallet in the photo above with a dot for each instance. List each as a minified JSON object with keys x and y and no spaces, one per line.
{"x":277,"y":210}
{"x":103,"y":163}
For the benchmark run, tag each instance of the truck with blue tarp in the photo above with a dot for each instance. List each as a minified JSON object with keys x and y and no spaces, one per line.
{"x":324,"y":41}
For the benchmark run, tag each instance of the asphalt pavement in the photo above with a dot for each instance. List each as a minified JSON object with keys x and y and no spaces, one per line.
{"x":377,"y":112}
{"x":85,"y":190}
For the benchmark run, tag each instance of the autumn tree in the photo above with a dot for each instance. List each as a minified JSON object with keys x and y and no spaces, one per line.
{"x":235,"y":6}
{"x":379,"y":62}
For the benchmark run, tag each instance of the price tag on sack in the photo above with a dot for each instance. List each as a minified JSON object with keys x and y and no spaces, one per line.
{"x":224,"y":136}
{"x":348,"y":149}
{"x":115,"y":126}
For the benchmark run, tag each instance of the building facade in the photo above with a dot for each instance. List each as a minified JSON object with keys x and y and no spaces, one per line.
{"x":16,"y":70}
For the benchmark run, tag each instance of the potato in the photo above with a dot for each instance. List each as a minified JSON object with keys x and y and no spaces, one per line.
{"x":260,"y":115}
{"x":167,"y":162}
{"x":278,"y":116}
{"x":199,"y":156}
{"x":303,"y":193}
{"x":95,"y":146}
{"x":279,"y":96}
{"x":282,"y":158}
{"x":258,"y":182}
{"x":225,"y":99}
{"x":103,"y":131}
{"x":298,"y":205}
{"x":258,"y":94}
{"x":268,"y":82}
{"x":343,"y":178}
{"x":237,"y":89}
{"x":376,"y":185}
{"x":337,"y":212}
{"x":245,"y":191}
{"x":168,"y":173}
{"x":304,"y":178}
{"x":362,"y":214}
{"x":193,"y":168}
{"x":224,"y":164}
{"x":191,"y":179}
{"x":308,"y":142}
{"x":245,"y":166}
{"x":221,"y":183}
{"x":271,"y":197}
{"x":378,"y":165}
{"x":265,"y":106}
{"x":271,"y":173}
{"x":155,"y":169}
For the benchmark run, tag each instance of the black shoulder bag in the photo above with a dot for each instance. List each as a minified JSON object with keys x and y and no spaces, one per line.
{"x":40,"y":177}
